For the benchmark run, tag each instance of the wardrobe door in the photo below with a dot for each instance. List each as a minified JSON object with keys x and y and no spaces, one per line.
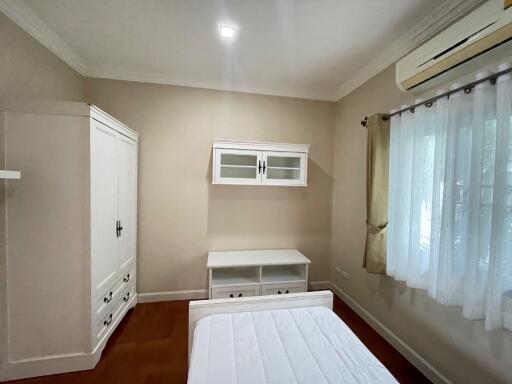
{"x":127,"y":201}
{"x":104,"y":248}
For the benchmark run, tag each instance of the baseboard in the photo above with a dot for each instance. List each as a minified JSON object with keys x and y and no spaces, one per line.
{"x":194,"y":294}
{"x":48,"y":365}
{"x":401,"y":346}
{"x":172,"y":295}
{"x":56,"y":364}
{"x":318,"y":285}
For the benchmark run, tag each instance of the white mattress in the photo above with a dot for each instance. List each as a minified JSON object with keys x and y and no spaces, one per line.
{"x":303,"y":345}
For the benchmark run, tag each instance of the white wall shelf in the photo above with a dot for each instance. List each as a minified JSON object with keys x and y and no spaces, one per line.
{"x":4,"y":174}
{"x":282,"y":273}
{"x":253,"y":163}
{"x":222,"y":277}
{"x":234,"y":274}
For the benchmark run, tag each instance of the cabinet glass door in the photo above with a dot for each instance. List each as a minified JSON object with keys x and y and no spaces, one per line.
{"x":237,"y":167}
{"x":284,"y":168}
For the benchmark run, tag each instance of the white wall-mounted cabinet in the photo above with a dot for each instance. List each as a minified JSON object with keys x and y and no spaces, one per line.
{"x":253,"y":163}
{"x":70,"y":257}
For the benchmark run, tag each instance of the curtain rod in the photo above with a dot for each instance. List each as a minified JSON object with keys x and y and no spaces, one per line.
{"x":428,"y":103}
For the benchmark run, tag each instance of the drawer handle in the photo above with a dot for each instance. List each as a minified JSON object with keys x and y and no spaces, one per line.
{"x":127,"y":278}
{"x":106,"y":323}
{"x":127,"y":297}
{"x":108,"y":299}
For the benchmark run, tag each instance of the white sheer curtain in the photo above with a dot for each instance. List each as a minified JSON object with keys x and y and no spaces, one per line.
{"x":450,"y":200}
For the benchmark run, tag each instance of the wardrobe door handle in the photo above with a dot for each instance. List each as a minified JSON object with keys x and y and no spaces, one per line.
{"x":264,"y":166}
{"x":108,"y":299}
{"x":127,"y":278}
{"x":106,"y":323}
{"x":259,"y":167}
{"x":118,"y":228}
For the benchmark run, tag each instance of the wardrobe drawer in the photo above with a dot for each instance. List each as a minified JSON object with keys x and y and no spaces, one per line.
{"x":113,"y":292}
{"x":282,"y":288}
{"x":235,"y":291}
{"x":128,"y":293}
{"x":103,"y":302}
{"x":104,"y":323}
{"x":127,"y":277}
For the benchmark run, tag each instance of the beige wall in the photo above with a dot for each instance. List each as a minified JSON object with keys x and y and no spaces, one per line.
{"x":182,"y":215}
{"x":28,"y":69}
{"x":460,"y":349}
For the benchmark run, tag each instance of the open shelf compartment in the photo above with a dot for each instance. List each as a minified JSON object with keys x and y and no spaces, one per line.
{"x":283,"y":273}
{"x":225,"y":277}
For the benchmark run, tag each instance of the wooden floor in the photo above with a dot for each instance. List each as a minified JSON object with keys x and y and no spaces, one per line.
{"x":150,"y":346}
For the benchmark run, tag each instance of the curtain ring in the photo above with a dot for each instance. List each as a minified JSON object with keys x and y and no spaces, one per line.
{"x":467,"y":90}
{"x":493,"y":81}
{"x":411,"y":110}
{"x":429,"y":104}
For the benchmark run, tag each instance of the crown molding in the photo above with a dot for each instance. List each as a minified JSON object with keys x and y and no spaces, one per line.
{"x":142,"y":77}
{"x":434,"y":23}
{"x":443,"y":16}
{"x":33,"y":25}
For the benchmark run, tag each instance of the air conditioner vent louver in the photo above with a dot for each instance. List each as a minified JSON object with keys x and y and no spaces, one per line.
{"x":484,"y":29}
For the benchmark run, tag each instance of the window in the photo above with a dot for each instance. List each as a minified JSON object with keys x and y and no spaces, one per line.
{"x":450,"y":202}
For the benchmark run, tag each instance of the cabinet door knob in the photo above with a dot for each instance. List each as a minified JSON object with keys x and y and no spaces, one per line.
{"x":106,"y":323}
{"x":239,"y":295}
{"x":231,"y":295}
{"x":278,"y":292}
{"x":127,"y":278}
{"x":108,"y":298}
{"x":287,"y":291}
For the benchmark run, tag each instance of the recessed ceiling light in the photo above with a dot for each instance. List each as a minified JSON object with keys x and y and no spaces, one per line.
{"x":227,"y":31}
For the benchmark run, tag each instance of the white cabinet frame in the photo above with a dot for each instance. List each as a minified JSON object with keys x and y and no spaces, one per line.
{"x":262,"y":151}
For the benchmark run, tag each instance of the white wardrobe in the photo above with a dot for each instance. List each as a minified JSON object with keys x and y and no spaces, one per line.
{"x":68,"y":254}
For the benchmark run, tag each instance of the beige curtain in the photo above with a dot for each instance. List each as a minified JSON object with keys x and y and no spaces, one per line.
{"x":377,"y":170}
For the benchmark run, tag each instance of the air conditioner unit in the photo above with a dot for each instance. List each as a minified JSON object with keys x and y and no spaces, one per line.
{"x":474,"y":41}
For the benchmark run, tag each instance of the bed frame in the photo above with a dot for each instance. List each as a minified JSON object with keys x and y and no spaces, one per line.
{"x":202,"y":308}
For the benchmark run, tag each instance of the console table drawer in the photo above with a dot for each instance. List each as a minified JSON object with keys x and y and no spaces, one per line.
{"x":282,"y":288}
{"x":235,"y":291}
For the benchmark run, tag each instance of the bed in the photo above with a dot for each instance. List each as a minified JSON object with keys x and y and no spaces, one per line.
{"x":294,"y":338}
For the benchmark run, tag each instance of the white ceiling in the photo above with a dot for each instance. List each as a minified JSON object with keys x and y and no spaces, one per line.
{"x":319,"y":49}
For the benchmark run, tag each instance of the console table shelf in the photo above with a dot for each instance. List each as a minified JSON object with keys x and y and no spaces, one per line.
{"x":235,"y":274}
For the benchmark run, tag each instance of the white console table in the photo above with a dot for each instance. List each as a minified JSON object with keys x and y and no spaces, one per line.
{"x":252,"y":273}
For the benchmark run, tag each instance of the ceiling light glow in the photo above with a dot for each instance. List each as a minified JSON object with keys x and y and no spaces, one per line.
{"x":227,"y":31}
